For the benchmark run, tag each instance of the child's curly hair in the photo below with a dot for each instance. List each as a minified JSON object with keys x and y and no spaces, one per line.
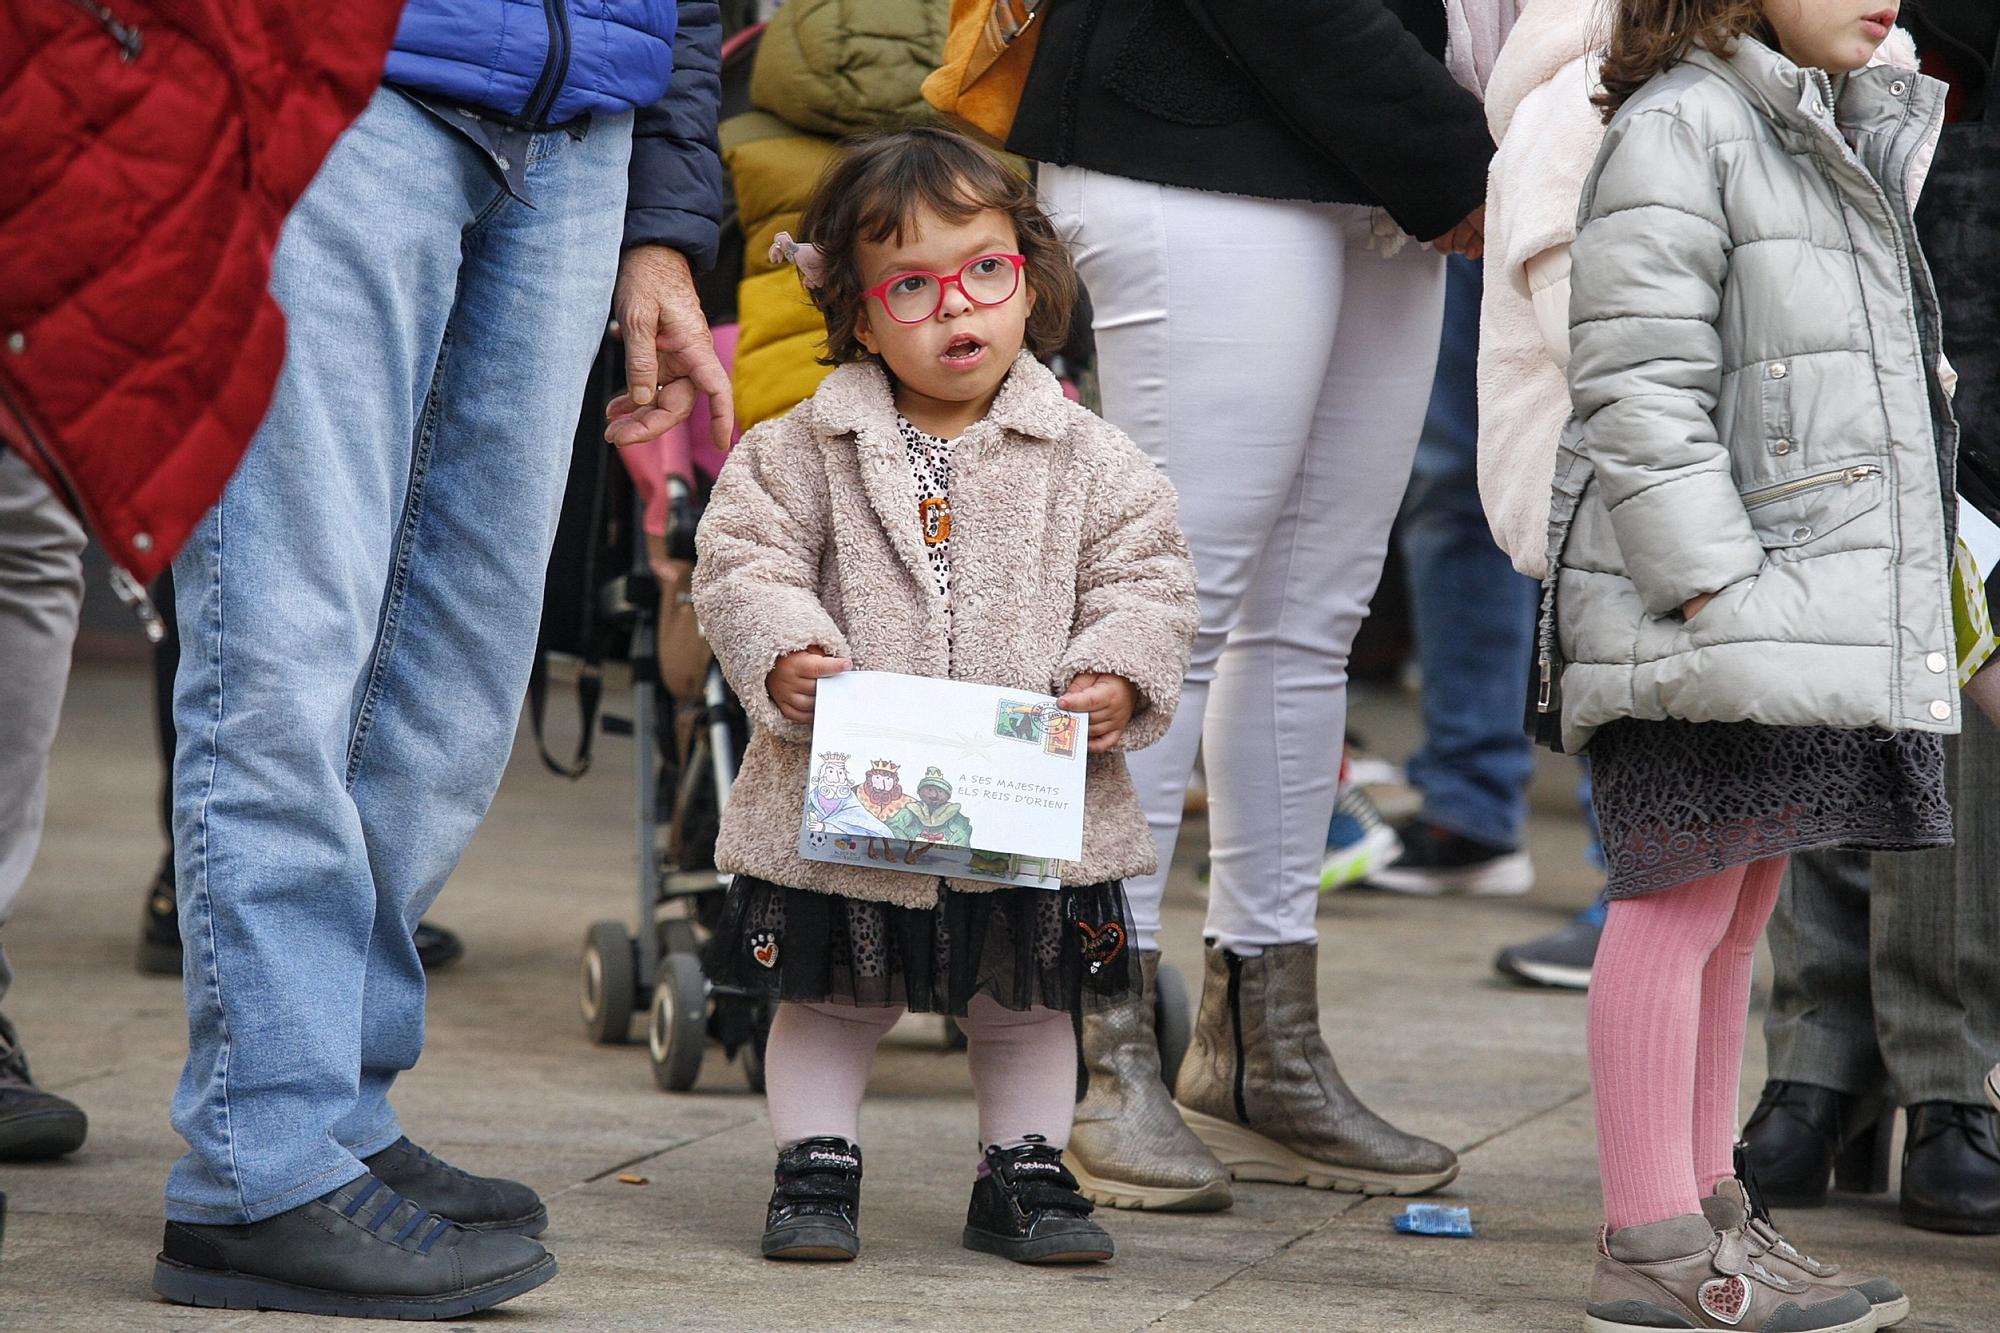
{"x":1650,"y":36}
{"x":875,"y":191}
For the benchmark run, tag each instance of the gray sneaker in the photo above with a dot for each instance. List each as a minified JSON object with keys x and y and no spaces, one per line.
{"x":1683,"y":1273}
{"x":1561,"y":959}
{"x":1729,"y":1207}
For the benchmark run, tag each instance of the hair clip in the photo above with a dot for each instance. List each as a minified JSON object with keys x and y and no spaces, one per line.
{"x":806,"y":257}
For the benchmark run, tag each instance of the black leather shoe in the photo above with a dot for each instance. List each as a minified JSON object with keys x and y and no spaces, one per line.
{"x":477,"y":1203}
{"x":1026,"y":1207}
{"x":362,"y":1250}
{"x":437,"y":948}
{"x":160,"y":932}
{"x":815,"y":1211}
{"x":160,"y":928}
{"x":1801,"y":1134}
{"x":1951,"y":1168}
{"x":35,"y":1125}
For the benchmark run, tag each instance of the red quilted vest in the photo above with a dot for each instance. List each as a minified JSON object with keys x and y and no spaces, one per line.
{"x":153,"y":148}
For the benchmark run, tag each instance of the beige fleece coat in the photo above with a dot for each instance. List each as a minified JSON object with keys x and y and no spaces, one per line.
{"x":1066,"y":557}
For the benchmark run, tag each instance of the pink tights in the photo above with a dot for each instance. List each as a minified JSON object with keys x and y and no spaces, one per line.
{"x":1023,"y":1070}
{"x":1669,"y":1000}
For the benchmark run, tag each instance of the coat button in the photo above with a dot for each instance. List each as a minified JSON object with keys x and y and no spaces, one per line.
{"x":1936,"y":662}
{"x":1941,"y":711}
{"x":1898,"y":88}
{"x":1779,"y":370}
{"x":1781,"y":447}
{"x":17,"y":342}
{"x":142,"y":541}
{"x":1800,"y":534}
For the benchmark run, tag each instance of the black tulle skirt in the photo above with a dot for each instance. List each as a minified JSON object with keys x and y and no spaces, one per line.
{"x":1070,"y":949}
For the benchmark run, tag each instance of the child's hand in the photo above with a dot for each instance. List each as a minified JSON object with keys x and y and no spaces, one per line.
{"x":1692,"y":607}
{"x":795,"y":680}
{"x":1109,"y":700}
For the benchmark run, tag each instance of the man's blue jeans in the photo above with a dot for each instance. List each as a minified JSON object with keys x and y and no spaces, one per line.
{"x":1475,"y":615}
{"x":358,"y":616}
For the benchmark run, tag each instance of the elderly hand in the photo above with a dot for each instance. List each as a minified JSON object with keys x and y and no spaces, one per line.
{"x":669,"y":356}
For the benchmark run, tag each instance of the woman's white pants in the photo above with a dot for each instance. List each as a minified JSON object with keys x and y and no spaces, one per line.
{"x":1278,"y":369}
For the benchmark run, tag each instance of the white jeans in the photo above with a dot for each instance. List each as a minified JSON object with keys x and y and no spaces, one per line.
{"x":1278,"y":370}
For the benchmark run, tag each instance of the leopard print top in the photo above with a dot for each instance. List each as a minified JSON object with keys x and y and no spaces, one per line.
{"x":930,"y":464}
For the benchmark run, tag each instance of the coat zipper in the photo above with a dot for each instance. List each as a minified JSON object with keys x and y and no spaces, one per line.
{"x":1847,"y":476}
{"x":130,"y":41}
{"x":555,"y":69}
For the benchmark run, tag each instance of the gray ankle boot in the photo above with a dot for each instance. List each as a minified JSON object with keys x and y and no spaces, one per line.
{"x":1129,"y":1148}
{"x":1260,"y":1088}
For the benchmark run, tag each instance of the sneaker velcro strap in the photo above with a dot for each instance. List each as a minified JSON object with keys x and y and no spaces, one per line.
{"x":1732,"y":1252}
{"x":1037,"y":1196}
{"x":820,"y":1187}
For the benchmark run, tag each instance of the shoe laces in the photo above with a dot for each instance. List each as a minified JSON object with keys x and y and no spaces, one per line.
{"x":1974,"y":1122}
{"x":13,"y":1061}
{"x":386,"y":1201}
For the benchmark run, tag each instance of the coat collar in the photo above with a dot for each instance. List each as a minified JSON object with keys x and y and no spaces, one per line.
{"x":858,"y":399}
{"x":1872,"y":98}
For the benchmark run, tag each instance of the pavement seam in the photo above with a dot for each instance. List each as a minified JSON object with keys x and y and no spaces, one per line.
{"x":1358,"y":1202}
{"x":649,"y":1156}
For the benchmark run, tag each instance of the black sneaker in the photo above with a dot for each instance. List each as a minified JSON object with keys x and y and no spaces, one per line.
{"x":35,"y":1126}
{"x":1562,"y":958}
{"x":1025,"y":1207}
{"x":815,"y":1211}
{"x":362,"y":1250}
{"x":1437,"y":861}
{"x":160,"y":932}
{"x":477,"y":1203}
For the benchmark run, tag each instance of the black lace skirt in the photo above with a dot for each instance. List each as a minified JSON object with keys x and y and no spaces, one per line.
{"x":1069,"y":949}
{"x":1679,"y":800}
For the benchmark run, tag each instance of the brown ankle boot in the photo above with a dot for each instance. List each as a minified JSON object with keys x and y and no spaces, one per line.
{"x":1260,"y":1087}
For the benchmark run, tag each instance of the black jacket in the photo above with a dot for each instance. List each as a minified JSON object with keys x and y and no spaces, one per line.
{"x":1967,"y":34}
{"x":1339,"y":101}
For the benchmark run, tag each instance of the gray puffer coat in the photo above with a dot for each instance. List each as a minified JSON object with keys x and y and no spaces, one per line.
{"x":1757,"y":413}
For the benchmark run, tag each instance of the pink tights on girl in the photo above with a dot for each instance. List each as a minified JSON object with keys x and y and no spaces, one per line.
{"x":1023,"y":1070}
{"x":1669,"y":1001}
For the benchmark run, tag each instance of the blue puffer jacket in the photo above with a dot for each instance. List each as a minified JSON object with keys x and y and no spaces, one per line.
{"x":542,"y":62}
{"x":545,"y":62}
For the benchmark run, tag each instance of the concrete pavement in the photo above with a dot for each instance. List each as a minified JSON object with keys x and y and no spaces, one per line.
{"x":508,"y":1084}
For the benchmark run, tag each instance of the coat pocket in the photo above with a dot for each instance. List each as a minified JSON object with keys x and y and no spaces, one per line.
{"x":1775,"y":409}
{"x":1804,"y":509}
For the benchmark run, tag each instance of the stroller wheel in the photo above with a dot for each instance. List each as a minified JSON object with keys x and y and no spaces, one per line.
{"x":607,"y":984}
{"x":677,"y":1029}
{"x":1172,"y":1025}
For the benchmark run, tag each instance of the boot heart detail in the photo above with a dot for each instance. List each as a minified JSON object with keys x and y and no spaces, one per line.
{"x":764,"y":948}
{"x":1101,"y":944}
{"x":1726,"y":1298}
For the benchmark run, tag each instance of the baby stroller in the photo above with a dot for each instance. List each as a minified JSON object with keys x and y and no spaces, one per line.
{"x":658,"y":970}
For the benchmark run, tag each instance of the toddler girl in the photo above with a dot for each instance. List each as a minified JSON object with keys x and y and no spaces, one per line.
{"x":1752,"y":532}
{"x":937,"y":508}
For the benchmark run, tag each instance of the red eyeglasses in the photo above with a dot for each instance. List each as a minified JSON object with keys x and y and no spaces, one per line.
{"x":913,"y":297}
